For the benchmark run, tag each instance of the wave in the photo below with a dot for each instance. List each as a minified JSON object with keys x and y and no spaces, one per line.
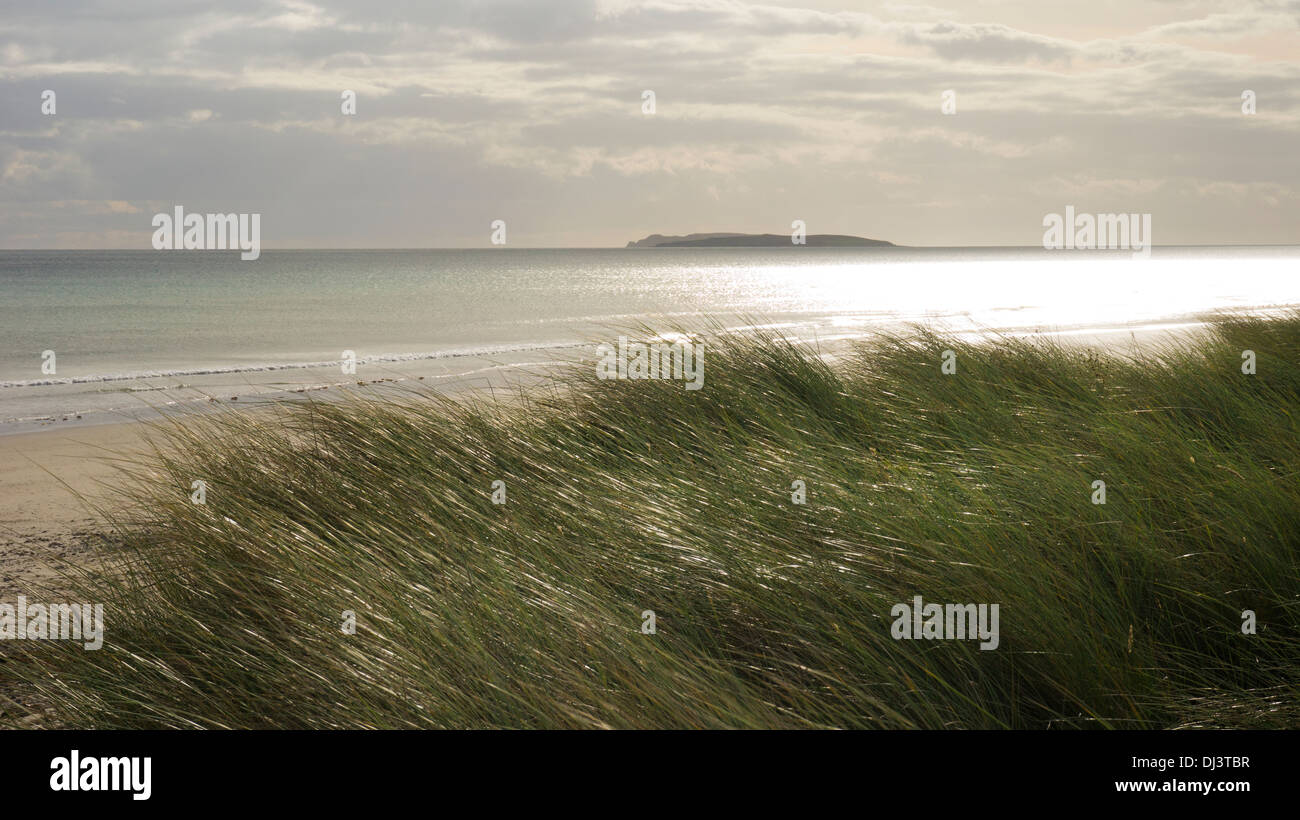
{"x":869,"y":320}
{"x":387,"y":358}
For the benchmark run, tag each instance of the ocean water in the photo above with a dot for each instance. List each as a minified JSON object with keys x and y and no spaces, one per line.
{"x":135,"y":332}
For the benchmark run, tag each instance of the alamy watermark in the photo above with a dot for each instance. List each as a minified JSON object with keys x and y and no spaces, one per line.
{"x":946,"y":622}
{"x":53,"y":622}
{"x":679,"y":361}
{"x":75,"y":773}
{"x":1091,"y":232}
{"x":208,"y":232}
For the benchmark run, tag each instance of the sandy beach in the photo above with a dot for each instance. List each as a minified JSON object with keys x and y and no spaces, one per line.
{"x":50,"y":484}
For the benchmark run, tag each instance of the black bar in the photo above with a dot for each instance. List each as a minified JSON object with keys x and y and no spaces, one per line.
{"x":642,"y":770}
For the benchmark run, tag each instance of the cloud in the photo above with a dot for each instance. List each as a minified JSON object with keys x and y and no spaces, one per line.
{"x":472,"y":110}
{"x":985,"y":41}
{"x":1222,"y":25}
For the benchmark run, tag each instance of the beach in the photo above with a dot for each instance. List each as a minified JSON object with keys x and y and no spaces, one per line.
{"x":921,"y":378}
{"x":492,"y":509}
{"x":628,"y":552}
{"x":54,"y":476}
{"x":57,"y":479}
{"x":88,"y":337}
{"x":49,"y":482}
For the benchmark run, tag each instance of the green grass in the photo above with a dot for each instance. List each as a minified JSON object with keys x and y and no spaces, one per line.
{"x":635,"y":495}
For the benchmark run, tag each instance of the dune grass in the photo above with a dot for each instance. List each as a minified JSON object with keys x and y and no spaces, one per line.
{"x":626,"y":496}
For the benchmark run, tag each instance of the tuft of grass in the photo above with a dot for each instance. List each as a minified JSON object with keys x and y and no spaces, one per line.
{"x":626,"y":496}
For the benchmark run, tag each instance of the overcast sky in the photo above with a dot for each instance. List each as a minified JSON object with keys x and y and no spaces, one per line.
{"x":531,"y":112}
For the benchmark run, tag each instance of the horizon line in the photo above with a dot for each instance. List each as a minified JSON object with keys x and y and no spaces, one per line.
{"x":653,"y":248}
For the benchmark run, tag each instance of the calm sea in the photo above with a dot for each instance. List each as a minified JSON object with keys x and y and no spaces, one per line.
{"x":137,"y":330}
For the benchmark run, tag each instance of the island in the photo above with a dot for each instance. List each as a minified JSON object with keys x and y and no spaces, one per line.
{"x":755,"y":240}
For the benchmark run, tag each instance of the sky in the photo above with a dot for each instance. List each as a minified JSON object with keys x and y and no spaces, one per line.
{"x":532,"y":113}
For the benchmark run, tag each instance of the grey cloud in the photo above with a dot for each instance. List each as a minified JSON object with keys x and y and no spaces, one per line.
{"x":531,"y":112}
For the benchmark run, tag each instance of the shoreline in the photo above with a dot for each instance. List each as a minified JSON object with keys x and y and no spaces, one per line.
{"x":49,"y":474}
{"x":979,"y":483}
{"x":77,"y":403}
{"x":53,"y":475}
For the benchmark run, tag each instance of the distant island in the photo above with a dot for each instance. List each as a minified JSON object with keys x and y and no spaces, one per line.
{"x":755,"y":240}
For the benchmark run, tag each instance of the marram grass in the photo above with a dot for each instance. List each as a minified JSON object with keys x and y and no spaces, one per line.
{"x":626,"y":496}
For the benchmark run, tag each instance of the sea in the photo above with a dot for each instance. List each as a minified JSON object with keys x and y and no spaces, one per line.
{"x":89,"y":337}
